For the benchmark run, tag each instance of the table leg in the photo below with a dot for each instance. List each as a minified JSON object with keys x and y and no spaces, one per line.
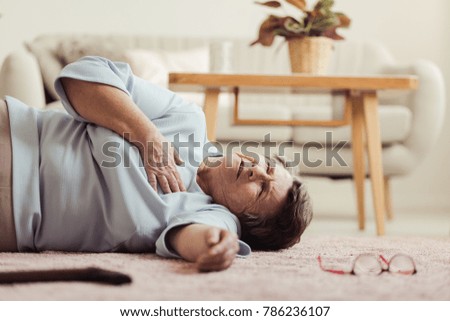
{"x":359,"y":172}
{"x":210,"y":110}
{"x":372,"y":125}
{"x":387,"y":198}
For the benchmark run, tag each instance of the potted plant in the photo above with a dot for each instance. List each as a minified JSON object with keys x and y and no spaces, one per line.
{"x":310,"y":36}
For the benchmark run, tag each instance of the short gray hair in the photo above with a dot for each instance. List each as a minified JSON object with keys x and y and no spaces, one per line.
{"x":284,"y":229}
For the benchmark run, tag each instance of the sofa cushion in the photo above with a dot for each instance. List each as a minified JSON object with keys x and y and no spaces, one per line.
{"x":71,"y":49}
{"x":155,"y":65}
{"x":395,"y":125}
{"x":44,"y":49}
{"x":53,"y":52}
{"x":397,"y":160}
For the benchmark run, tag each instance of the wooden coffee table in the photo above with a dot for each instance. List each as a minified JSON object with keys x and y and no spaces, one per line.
{"x":360,"y":113}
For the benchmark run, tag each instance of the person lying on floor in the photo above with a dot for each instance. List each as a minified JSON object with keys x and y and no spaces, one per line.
{"x":78,"y":185}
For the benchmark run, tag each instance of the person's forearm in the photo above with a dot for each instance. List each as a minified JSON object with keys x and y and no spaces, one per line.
{"x":112,"y":108}
{"x":109,"y":107}
{"x":189,"y":241}
{"x":211,"y":248}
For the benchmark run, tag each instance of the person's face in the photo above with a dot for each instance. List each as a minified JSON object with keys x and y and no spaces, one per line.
{"x":245,"y":185}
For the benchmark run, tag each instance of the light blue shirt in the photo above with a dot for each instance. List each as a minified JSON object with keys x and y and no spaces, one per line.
{"x":81,"y":187}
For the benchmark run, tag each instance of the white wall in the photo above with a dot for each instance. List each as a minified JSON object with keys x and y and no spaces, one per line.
{"x":412,"y":29}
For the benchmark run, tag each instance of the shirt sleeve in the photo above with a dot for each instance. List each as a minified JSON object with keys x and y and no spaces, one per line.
{"x":153,"y":100}
{"x":217,"y":218}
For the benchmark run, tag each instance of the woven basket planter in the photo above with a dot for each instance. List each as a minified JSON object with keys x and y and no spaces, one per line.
{"x":310,"y":55}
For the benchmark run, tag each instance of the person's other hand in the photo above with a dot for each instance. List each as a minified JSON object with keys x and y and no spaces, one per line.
{"x":222,"y":249}
{"x":160,"y":160}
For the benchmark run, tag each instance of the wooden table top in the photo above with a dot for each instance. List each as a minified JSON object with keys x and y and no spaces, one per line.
{"x":375,"y":82}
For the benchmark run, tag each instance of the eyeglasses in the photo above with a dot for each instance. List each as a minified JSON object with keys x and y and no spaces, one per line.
{"x":369,"y":264}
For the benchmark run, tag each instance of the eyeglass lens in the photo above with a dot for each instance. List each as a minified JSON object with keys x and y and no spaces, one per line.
{"x":367,"y":264}
{"x":402,"y":264}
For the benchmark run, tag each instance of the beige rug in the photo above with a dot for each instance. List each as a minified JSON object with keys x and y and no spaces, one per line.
{"x":288,"y":275}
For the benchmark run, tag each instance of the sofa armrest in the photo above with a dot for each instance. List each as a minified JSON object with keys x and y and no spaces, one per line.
{"x":427,"y":104}
{"x":20,"y":77}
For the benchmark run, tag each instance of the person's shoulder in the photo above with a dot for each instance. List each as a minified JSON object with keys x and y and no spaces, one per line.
{"x":217,"y":208}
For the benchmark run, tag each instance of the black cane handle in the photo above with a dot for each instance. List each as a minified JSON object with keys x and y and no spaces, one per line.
{"x":90,"y":274}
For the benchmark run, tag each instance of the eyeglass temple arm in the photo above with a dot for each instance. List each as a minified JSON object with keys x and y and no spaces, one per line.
{"x":329,"y":270}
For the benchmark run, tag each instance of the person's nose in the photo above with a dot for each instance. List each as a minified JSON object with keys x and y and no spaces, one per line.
{"x":258,"y":173}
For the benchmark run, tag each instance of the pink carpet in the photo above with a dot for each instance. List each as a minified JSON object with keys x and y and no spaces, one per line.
{"x":287,"y":275}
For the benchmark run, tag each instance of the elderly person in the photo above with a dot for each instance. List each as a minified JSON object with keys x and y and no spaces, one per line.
{"x":104,"y":177}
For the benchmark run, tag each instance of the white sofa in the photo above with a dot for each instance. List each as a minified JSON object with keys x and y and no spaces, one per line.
{"x":410,"y":121}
